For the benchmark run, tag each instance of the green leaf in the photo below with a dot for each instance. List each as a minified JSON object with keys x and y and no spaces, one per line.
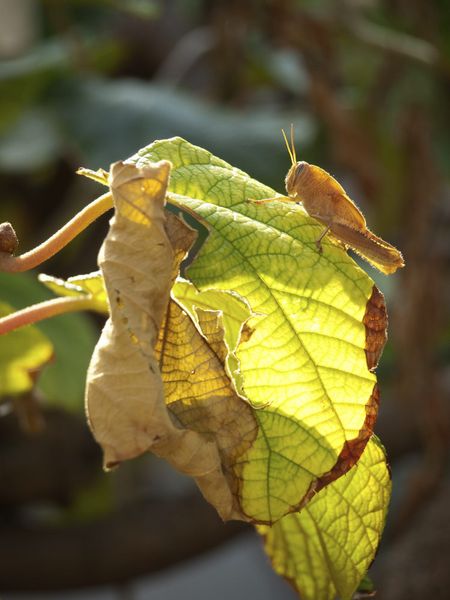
{"x":327,"y":547}
{"x":90,"y":285}
{"x":23,"y":353}
{"x":73,"y":337}
{"x":308,"y":364}
{"x":234,"y":314}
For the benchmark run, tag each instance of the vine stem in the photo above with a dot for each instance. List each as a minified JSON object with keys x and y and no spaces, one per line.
{"x":43,"y":310}
{"x":33,"y":258}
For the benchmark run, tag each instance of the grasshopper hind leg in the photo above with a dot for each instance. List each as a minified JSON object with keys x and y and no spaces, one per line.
{"x":318,"y":242}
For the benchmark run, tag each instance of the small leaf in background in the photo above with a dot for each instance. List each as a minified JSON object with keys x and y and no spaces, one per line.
{"x":325,"y":549}
{"x":100,"y":175}
{"x":23,"y":353}
{"x":73,"y":337}
{"x":90,"y":285}
{"x":306,"y":366}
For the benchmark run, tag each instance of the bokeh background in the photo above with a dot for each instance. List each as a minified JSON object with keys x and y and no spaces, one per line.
{"x":366,"y":84}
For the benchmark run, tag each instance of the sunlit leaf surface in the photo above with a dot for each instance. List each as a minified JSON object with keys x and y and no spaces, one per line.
{"x":305,"y":366}
{"x":326,"y":548}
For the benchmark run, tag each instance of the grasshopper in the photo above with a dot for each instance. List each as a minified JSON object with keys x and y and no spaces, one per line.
{"x":325,"y":200}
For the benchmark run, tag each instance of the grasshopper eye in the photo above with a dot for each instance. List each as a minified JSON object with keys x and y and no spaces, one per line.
{"x":299,"y":168}
{"x":294,"y":176}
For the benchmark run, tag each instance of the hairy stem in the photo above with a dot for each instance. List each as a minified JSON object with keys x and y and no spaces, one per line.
{"x":58,"y":240}
{"x":43,"y":310}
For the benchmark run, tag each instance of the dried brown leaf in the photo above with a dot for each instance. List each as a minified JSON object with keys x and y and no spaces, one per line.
{"x":199,"y":394}
{"x":124,"y":394}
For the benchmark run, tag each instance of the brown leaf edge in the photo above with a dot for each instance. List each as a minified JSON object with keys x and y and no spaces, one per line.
{"x":376,"y":323}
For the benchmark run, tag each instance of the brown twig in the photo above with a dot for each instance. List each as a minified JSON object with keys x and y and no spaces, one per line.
{"x":43,"y":310}
{"x":58,"y":240}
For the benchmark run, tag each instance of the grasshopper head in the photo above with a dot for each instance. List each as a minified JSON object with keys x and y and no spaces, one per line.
{"x":294,"y":179}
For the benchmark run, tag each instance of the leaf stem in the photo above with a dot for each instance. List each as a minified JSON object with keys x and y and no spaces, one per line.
{"x":58,"y":240}
{"x":43,"y":310}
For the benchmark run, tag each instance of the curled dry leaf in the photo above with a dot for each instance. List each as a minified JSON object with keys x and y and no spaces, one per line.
{"x":200,"y":396}
{"x":201,"y":427}
{"x":124,"y":393}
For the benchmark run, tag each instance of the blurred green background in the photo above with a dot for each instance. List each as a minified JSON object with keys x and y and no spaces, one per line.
{"x":366,"y":84}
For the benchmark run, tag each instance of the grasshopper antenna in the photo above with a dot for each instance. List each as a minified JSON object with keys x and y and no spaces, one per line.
{"x":292,"y":144}
{"x":290,"y":147}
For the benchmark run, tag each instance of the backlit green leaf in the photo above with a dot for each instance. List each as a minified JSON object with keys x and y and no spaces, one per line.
{"x":325,"y":549}
{"x":307,"y":365}
{"x":73,"y":337}
{"x":234,"y":311}
{"x":22,"y":354}
{"x":90,"y":285}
